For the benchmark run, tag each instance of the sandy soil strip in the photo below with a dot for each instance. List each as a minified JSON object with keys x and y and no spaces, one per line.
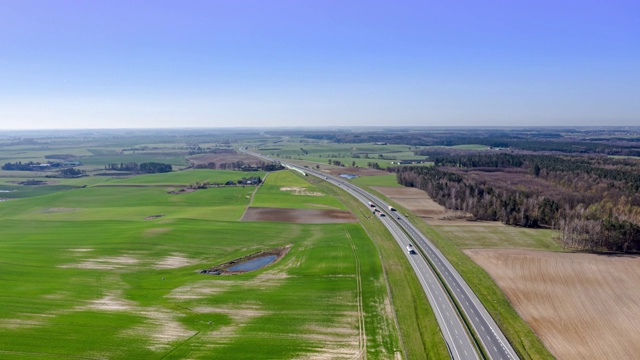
{"x":174,"y":261}
{"x":301,"y":191}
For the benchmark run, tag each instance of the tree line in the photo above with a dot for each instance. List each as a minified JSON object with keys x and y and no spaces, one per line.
{"x":142,"y":168}
{"x":593,"y":202}
{"x":242,"y":166}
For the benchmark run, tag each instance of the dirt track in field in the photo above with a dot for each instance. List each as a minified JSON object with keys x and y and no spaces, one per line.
{"x":419,"y":203}
{"x":302,"y":216}
{"x":582,"y":306}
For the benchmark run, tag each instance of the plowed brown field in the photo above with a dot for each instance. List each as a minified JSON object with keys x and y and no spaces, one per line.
{"x":419,"y":203}
{"x":582,"y":306}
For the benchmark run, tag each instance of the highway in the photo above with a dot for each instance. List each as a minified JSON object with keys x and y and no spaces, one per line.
{"x":454,"y":331}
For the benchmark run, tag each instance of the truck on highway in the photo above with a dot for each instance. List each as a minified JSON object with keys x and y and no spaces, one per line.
{"x":391,"y":208}
{"x":410,"y":249}
{"x":371,"y":204}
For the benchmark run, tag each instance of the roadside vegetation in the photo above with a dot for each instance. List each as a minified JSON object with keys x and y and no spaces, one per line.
{"x":420,"y":334}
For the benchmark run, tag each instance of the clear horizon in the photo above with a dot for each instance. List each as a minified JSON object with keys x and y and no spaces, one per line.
{"x":215,"y":64}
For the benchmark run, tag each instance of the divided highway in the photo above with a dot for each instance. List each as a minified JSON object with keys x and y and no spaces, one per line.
{"x":454,"y":330}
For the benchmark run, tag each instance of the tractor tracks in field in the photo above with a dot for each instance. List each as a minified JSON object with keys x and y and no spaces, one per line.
{"x":254,"y":194}
{"x":362,"y":336}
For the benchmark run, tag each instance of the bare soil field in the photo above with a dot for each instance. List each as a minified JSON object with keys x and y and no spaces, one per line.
{"x":223,"y":158}
{"x":302,"y":216}
{"x":582,"y":306}
{"x":419,"y":203}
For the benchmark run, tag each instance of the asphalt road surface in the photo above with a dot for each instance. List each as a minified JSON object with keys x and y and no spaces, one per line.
{"x":453,"y":329}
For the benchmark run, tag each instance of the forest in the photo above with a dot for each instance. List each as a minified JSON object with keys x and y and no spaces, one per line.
{"x":552,"y":140}
{"x":593,"y":201}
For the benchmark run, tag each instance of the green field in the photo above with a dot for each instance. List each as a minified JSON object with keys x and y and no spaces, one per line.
{"x":380,"y":180}
{"x":284,"y":189}
{"x":498,"y":236}
{"x":188,"y":177}
{"x":348,"y":154}
{"x":84,"y":275}
{"x":107,"y":267}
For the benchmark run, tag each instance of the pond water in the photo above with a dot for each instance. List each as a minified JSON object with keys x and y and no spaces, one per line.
{"x":349,"y":176}
{"x":254,"y":264}
{"x":6,"y":191}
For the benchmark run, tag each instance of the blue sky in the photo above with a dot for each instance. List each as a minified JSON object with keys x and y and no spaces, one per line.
{"x":105,"y":64}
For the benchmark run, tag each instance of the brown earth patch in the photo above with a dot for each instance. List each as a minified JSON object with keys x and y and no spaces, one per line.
{"x":110,"y":302}
{"x":419,"y":203}
{"x":302,"y":216}
{"x":105,"y":263}
{"x":174,"y":261}
{"x":582,"y":306}
{"x":360,"y":171}
{"x":162,"y":327}
{"x":223,"y":269}
{"x":153,"y":217}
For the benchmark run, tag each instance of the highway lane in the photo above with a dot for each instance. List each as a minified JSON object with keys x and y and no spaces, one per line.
{"x":489,"y":334}
{"x":454,"y":331}
{"x":458,"y":340}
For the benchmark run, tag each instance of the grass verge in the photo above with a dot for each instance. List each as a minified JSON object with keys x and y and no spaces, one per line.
{"x":419,"y":330}
{"x":522,"y":338}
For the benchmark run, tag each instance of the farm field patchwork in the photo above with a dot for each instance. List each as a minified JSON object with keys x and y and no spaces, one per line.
{"x":582,"y":306}
{"x":470,"y":234}
{"x":420,"y":204}
{"x":348,"y":154}
{"x":91,"y":273}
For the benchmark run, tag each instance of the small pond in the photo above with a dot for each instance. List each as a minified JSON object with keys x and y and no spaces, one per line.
{"x":254,"y":264}
{"x":349,"y":176}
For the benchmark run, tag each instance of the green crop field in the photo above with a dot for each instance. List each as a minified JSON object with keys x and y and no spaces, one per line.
{"x":101,"y":160}
{"x":284,"y":189}
{"x":347,"y":154}
{"x":471,"y":236}
{"x":379,"y":180}
{"x":85,"y":274}
{"x":188,"y":177}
